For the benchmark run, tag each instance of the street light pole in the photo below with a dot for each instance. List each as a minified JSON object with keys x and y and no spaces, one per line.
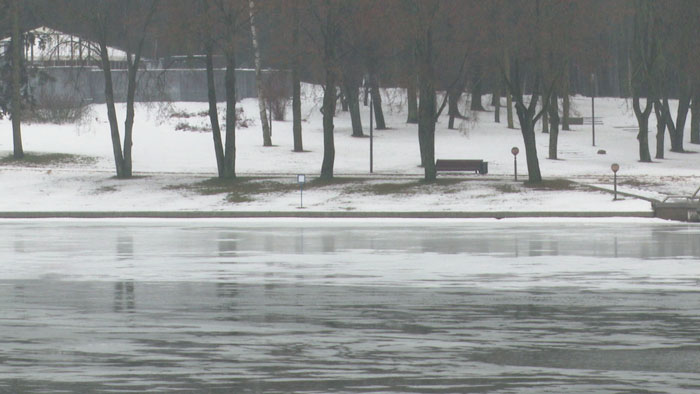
{"x":371,"y":135}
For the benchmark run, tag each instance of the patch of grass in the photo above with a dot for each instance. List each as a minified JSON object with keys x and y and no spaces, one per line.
{"x":553,"y":185}
{"x":637,"y":183}
{"x":441,"y":186}
{"x":105,"y":189}
{"x":47,"y":160}
{"x":237,"y":190}
{"x":507,"y":188}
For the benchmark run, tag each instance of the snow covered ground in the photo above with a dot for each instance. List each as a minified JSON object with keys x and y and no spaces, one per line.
{"x":173,"y":167}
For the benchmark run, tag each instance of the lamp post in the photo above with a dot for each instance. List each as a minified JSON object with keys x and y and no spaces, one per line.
{"x":515,"y":152}
{"x":615,"y":167}
{"x":593,"y":92}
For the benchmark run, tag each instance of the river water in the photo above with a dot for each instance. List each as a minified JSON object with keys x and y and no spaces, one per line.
{"x":402,"y":306}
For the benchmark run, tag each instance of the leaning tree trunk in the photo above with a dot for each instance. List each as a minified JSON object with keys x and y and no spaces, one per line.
{"x":660,"y":129}
{"x":213,"y":113}
{"x":676,"y":130}
{"x":230,"y":144}
{"x":16,"y":107}
{"x":554,"y":127}
{"x":377,"y":103}
{"x":643,"y":122}
{"x":267,"y":135}
{"x":695,"y":118}
{"x":352,"y":95}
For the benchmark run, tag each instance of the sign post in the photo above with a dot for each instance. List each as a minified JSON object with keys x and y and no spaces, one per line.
{"x":301,"y":179}
{"x":515,"y":152}
{"x":615,"y":167}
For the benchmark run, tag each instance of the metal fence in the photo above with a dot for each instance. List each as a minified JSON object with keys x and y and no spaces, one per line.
{"x":87,"y":83}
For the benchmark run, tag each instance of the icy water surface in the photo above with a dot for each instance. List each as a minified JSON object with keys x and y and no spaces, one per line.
{"x":346,"y":306}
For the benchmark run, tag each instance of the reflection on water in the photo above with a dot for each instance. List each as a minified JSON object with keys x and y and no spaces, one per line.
{"x":311,"y":307}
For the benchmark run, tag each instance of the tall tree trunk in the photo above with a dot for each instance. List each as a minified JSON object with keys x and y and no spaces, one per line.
{"x":545,"y":118}
{"x":554,"y":127}
{"x":643,"y":122}
{"x":111,"y":111}
{"x":377,"y":103}
{"x":132,"y":71}
{"x":352,"y":95}
{"x":660,"y":129}
{"x":477,"y":91}
{"x":267,"y":135}
{"x":16,"y":107}
{"x":296,"y":86}
{"x":329,"y":98}
{"x":427,"y":107}
{"x":412,"y":93}
{"x":509,"y":96}
{"x":453,"y":111}
{"x":566,"y":100}
{"x":213,"y":112}
{"x":230,"y":143}
{"x":695,"y":118}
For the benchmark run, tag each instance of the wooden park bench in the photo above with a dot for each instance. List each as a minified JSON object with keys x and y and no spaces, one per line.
{"x":480,"y":166}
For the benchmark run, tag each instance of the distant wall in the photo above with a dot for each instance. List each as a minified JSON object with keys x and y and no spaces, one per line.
{"x":153,"y":85}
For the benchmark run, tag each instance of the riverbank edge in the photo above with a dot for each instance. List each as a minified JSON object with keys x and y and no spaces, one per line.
{"x":303,"y":214}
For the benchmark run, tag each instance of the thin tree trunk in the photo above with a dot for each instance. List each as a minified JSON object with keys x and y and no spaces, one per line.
{"x":111,"y":111}
{"x":230,"y":143}
{"x":213,"y":113}
{"x":377,"y":103}
{"x":554,"y":127}
{"x":296,"y":110}
{"x":497,"y":102}
{"x":695,"y":118}
{"x":16,"y":107}
{"x":660,"y":129}
{"x":267,"y":135}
